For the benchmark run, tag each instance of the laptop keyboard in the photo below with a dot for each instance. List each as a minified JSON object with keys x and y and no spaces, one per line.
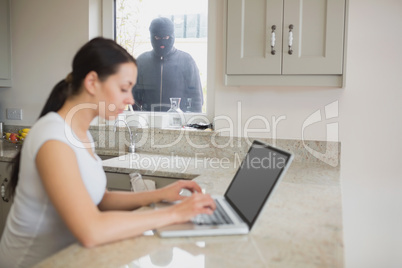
{"x":218,"y":217}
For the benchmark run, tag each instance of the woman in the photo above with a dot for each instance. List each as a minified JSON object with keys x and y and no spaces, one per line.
{"x":61,"y":194}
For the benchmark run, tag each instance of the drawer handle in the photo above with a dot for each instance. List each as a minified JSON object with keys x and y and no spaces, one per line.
{"x":290,"y":51}
{"x":273,"y":40}
{"x":3,"y":190}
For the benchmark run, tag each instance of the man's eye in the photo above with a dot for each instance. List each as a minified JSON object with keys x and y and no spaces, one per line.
{"x":124,"y":90}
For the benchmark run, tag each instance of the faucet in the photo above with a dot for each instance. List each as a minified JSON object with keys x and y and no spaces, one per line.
{"x":131,"y":148}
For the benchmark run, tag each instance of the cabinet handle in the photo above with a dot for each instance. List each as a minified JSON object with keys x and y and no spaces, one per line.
{"x":3,"y":190}
{"x":290,"y":51}
{"x":273,"y":39}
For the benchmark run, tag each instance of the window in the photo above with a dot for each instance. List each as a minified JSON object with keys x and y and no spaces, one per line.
{"x":132,"y":22}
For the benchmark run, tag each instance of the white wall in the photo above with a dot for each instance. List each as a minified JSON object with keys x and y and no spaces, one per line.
{"x":371,"y":134}
{"x":46,"y":34}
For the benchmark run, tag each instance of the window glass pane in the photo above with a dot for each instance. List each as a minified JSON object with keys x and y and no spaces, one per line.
{"x":170,"y":66}
{"x":178,"y":25}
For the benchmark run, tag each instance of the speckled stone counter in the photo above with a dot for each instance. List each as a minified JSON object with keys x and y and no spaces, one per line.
{"x":300,"y":227}
{"x":186,"y":142}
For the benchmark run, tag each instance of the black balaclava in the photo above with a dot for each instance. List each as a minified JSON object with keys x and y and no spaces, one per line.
{"x":162,"y":27}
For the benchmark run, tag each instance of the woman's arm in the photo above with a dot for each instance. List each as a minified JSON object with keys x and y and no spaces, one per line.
{"x":120,"y":200}
{"x":59,"y":172}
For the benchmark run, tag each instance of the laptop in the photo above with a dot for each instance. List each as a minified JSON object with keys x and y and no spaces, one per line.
{"x":256,"y":178}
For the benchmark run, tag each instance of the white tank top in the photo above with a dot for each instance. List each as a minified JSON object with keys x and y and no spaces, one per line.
{"x":34,"y":230}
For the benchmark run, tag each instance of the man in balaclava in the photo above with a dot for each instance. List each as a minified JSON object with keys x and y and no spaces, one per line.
{"x":166,"y":72}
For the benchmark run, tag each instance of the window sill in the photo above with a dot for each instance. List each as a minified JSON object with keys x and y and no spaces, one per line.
{"x":154,"y":120}
{"x":145,"y":122}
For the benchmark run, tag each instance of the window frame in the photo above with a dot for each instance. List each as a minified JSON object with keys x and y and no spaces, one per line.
{"x":108,"y":26}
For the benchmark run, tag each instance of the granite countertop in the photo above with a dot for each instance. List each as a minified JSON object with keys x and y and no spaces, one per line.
{"x":300,"y":227}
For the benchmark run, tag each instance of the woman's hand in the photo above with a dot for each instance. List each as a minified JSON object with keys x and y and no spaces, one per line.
{"x":171,"y":192}
{"x":197,"y":203}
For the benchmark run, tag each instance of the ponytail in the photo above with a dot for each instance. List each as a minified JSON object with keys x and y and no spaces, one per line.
{"x":57,"y":98}
{"x":101,"y":55}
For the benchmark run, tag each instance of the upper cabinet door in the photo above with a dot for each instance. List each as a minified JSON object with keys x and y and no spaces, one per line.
{"x":5,"y":47}
{"x":250,"y":35}
{"x":318,"y":36}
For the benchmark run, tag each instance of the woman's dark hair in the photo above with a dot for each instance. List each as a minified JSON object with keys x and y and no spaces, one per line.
{"x":101,"y":55}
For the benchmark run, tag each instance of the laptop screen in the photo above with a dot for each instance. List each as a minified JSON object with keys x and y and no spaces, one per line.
{"x":255,"y":179}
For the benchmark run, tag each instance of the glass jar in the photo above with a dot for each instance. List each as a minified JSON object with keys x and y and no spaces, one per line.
{"x":176,"y":116}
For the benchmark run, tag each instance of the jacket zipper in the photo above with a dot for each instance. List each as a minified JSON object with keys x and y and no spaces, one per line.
{"x":160,"y":93}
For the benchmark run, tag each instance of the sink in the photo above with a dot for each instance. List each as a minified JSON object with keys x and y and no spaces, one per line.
{"x":106,"y":157}
{"x":121,"y":181}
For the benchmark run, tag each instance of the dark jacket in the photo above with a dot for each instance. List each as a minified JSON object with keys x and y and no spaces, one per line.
{"x":160,"y":78}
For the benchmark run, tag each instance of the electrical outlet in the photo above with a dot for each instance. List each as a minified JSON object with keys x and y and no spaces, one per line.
{"x":14,"y":113}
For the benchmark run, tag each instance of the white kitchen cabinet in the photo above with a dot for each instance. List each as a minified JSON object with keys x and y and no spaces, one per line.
{"x":5,"y":204}
{"x":292,"y":42}
{"x":5,"y":44}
